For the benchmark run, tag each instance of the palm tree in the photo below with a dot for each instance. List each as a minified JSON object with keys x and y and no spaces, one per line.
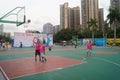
{"x":93,"y":25}
{"x":113,"y":17}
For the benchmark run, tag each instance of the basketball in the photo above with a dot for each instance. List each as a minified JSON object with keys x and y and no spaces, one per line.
{"x":29,"y":21}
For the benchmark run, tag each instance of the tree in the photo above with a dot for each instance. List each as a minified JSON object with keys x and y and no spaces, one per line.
{"x":64,"y":35}
{"x":113,"y":17}
{"x":5,"y":38}
{"x":93,"y":25}
{"x":85,"y":33}
{"x":98,"y":34}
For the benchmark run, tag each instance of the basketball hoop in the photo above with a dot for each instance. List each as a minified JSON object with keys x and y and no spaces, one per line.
{"x":27,"y":23}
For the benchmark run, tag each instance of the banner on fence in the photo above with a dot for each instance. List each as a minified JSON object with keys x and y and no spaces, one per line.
{"x":110,"y":41}
{"x":100,"y":41}
{"x":27,"y":39}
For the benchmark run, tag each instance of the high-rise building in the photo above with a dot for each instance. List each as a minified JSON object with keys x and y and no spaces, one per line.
{"x":56,"y":28}
{"x":69,"y":17}
{"x":89,"y":9}
{"x":64,"y":16}
{"x":115,"y":3}
{"x":48,"y":28}
{"x":101,"y":19}
{"x":76,"y":17}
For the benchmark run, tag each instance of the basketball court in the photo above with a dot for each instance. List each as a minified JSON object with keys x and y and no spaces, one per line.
{"x":63,"y":63}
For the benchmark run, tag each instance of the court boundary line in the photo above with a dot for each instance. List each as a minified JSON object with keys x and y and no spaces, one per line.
{"x":27,"y":51}
{"x":59,"y":68}
{"x":106,"y":60}
{"x":4,"y":74}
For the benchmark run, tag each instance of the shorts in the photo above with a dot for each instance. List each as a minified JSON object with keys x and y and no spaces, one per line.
{"x":37,"y":52}
{"x":42,"y":54}
{"x":89,"y":51}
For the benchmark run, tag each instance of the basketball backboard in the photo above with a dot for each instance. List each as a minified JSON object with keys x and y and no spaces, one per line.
{"x":16,"y":16}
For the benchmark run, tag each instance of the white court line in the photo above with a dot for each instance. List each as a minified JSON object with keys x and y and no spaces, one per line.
{"x":59,"y":68}
{"x":4,"y":74}
{"x":49,"y":70}
{"x":118,"y":65}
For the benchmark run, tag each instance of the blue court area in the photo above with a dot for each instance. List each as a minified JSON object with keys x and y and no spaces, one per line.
{"x":103,"y":64}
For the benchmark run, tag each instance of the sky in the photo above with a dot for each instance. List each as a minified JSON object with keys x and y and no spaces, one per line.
{"x":40,"y":12}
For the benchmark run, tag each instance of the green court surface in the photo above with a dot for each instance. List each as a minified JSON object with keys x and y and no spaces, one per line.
{"x":104,"y":64}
